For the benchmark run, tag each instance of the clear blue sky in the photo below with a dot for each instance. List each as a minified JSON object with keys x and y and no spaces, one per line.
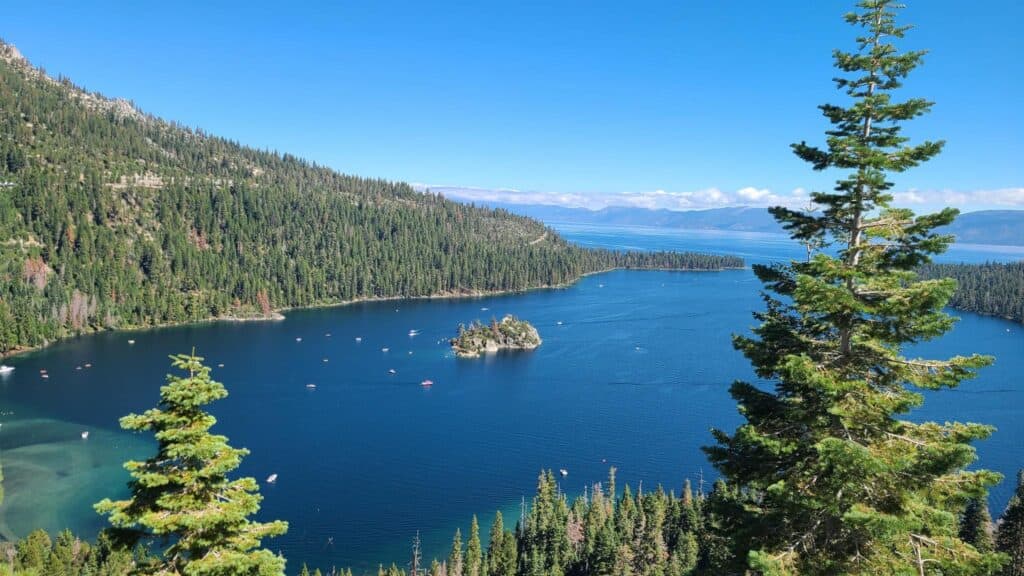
{"x":580,"y":98}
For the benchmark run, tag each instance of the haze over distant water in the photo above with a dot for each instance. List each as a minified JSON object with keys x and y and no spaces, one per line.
{"x":633,"y":377}
{"x":989,"y":227}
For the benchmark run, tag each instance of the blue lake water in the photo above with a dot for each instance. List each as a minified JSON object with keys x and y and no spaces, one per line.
{"x":633,"y":372}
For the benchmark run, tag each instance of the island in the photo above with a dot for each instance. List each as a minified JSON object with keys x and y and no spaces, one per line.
{"x":508,"y":334}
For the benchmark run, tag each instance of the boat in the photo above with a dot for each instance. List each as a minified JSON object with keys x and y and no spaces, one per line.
{"x":88,"y":365}
{"x":385,"y":349}
{"x":298,"y":339}
{"x":325,"y":359}
{"x":311,"y":386}
{"x":85,"y":435}
{"x":131,"y":342}
{"x":559,"y":322}
{"x":359,"y":338}
{"x":427,"y":383}
{"x":5,"y":369}
{"x":563,"y":471}
{"x":272,"y":478}
{"x":46,"y":376}
{"x":328,"y":335}
{"x":414,"y":332}
{"x":220,"y":365}
{"x":485,"y":309}
{"x":392,"y":371}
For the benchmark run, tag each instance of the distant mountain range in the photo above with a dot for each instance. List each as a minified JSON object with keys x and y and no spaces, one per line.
{"x":1000,"y":227}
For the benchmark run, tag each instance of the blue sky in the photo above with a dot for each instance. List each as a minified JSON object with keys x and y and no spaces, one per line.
{"x":681,"y":104}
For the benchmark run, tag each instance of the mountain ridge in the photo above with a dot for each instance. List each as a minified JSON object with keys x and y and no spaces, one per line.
{"x":994,"y":227}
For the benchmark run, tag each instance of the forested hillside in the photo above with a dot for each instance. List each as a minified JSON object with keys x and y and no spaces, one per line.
{"x":993,"y":289}
{"x":112,"y":218}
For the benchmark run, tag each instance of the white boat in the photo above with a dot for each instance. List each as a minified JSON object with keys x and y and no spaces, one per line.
{"x":414,"y":332}
{"x":298,"y":339}
{"x":559,"y":322}
{"x":272,"y":478}
{"x":311,"y":386}
{"x":392,"y":371}
{"x":131,"y":341}
{"x":359,"y":338}
{"x":563,"y":472}
{"x":484,"y":309}
{"x":385,"y":349}
{"x":427,"y":383}
{"x":85,"y":435}
{"x":5,"y":369}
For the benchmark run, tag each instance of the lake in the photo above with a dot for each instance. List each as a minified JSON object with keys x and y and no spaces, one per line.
{"x":633,"y":372}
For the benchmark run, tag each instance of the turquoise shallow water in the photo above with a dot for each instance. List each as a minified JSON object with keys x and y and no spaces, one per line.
{"x":633,"y":372}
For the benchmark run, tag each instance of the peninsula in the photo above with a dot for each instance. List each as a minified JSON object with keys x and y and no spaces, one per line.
{"x":510,"y":334}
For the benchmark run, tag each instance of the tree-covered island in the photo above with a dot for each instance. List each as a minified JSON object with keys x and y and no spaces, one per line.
{"x":508,"y":334}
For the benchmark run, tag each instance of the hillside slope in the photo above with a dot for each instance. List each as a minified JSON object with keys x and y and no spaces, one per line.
{"x":113,"y":218}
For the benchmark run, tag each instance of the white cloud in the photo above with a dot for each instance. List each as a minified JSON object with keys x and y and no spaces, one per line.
{"x":753,"y":194}
{"x":717,"y":198}
{"x":1000,"y":197}
{"x":652,"y":200}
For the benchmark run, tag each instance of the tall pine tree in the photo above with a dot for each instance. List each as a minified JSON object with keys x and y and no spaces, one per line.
{"x":183,"y":493}
{"x":976,"y":525}
{"x":834,"y":479}
{"x":1010,"y":538}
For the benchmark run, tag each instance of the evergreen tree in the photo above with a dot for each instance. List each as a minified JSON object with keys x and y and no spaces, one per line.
{"x":834,"y":481}
{"x":454,"y":565}
{"x":544,"y":546}
{"x":501,"y":549}
{"x":183,"y":493}
{"x":474,"y":553}
{"x":1010,"y":537}
{"x":976,"y":525}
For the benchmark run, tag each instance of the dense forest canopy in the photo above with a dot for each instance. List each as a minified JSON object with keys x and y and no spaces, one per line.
{"x":994,"y":289}
{"x":112,"y":218}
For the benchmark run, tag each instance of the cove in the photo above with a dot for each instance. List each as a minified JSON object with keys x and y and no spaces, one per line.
{"x":634,"y":370}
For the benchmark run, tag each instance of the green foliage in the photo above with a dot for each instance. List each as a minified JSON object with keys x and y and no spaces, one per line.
{"x":1010,"y":537}
{"x":501,"y":549}
{"x":992,"y":288}
{"x":114,"y":219}
{"x":474,"y":553}
{"x":39,"y":555}
{"x":455,"y":560}
{"x":976,"y":525}
{"x":183,"y":493}
{"x":828,"y":477}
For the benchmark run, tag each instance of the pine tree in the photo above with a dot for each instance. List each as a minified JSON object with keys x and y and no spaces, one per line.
{"x":455,"y":556}
{"x":474,"y":553}
{"x":834,"y":480}
{"x":1010,"y":537}
{"x":184,"y":494}
{"x":501,"y":549}
{"x":976,"y":525}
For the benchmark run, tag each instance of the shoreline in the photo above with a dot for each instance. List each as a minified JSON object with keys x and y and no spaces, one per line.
{"x":278,"y":313}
